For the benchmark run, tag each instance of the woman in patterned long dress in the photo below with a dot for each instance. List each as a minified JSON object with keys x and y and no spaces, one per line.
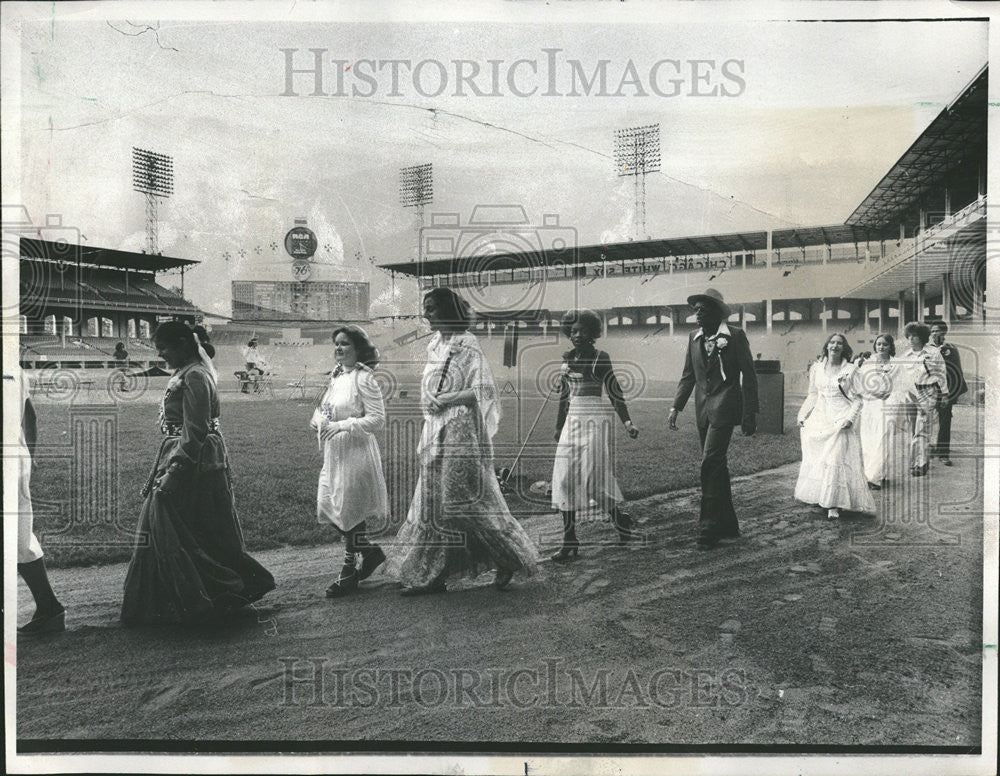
{"x":351,"y":488}
{"x":190,"y":561}
{"x":832,"y":474}
{"x":881,"y":416}
{"x":583,"y":475}
{"x":458,"y":524}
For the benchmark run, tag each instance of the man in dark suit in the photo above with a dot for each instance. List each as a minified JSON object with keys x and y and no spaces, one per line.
{"x":956,"y":387}
{"x":717,"y":356}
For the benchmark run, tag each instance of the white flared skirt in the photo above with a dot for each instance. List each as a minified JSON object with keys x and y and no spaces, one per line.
{"x":884,"y":439}
{"x":583,"y":476}
{"x":832,"y":473}
{"x":351,"y":484}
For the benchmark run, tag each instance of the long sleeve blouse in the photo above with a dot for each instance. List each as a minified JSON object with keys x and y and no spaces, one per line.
{"x":191,"y":406}
{"x":836,"y":396}
{"x":352,"y":402}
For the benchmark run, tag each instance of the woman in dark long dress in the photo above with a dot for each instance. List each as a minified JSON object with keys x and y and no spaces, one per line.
{"x":190,"y":562}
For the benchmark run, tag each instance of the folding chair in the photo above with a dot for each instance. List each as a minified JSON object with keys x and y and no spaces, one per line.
{"x":299,"y":385}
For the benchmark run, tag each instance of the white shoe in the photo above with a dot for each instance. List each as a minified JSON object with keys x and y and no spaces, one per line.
{"x":832,"y":514}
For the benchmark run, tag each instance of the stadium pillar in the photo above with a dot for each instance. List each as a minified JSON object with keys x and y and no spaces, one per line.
{"x":769,"y":313}
{"x":769,"y":249}
{"x":918,"y":302}
{"x":822,"y":314}
{"x":901,"y":320}
{"x":946,"y":297}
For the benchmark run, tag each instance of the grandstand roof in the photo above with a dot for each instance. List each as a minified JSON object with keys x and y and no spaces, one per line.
{"x":737,"y":242}
{"x":32,"y":248}
{"x":957,"y":133}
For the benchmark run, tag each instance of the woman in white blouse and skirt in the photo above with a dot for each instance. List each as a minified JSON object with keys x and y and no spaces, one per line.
{"x":832,"y":474}
{"x":352,"y":488}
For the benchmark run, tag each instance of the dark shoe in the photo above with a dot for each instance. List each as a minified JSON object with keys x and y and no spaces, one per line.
{"x":626,"y":528}
{"x":344,"y":584}
{"x":437,"y":586}
{"x":569,"y":551}
{"x":946,"y":461}
{"x":371,"y":558}
{"x":874,"y":486}
{"x":504,"y":576}
{"x":38,"y":626}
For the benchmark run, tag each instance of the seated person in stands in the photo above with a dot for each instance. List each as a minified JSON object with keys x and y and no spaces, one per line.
{"x":255,"y":363}
{"x":121,"y":355}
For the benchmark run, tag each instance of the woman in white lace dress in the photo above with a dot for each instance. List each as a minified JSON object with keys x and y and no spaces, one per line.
{"x":832,"y":474}
{"x":351,"y":489}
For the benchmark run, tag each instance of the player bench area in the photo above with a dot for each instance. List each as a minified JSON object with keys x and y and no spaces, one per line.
{"x":254,"y":382}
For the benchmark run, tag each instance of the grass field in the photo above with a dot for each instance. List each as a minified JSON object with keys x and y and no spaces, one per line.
{"x":276,"y":462}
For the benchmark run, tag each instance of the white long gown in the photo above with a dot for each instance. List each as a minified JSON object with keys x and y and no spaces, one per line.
{"x":351,"y":484}
{"x":832,"y":474}
{"x":883,"y":420}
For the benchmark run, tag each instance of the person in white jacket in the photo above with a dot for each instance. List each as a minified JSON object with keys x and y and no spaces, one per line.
{"x":831,"y":474}
{"x":352,"y":488}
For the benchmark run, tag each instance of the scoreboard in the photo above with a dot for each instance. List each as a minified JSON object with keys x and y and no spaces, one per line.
{"x":314,"y":300}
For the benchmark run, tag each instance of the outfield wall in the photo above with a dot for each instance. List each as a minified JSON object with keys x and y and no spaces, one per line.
{"x":645,"y":356}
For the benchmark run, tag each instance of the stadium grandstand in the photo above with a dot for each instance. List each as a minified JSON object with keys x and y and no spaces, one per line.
{"x":913,"y":249}
{"x":77,"y":302}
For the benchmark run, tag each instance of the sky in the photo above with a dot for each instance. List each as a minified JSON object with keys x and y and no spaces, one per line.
{"x":769,"y":124}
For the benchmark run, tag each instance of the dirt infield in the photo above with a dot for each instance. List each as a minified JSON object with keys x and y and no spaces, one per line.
{"x":804,"y":631}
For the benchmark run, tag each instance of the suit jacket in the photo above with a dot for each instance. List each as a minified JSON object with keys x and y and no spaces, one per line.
{"x":953,"y":370}
{"x":721,"y":398}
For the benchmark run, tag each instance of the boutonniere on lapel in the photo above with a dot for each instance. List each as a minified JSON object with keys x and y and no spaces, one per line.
{"x":174,"y":382}
{"x":718,"y":343}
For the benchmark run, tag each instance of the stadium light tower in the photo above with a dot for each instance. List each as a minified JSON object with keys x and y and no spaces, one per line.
{"x":152,"y":175}
{"x":416,"y":190}
{"x":637,"y":152}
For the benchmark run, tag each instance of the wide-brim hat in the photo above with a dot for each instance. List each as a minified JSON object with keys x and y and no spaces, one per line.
{"x":712,"y":297}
